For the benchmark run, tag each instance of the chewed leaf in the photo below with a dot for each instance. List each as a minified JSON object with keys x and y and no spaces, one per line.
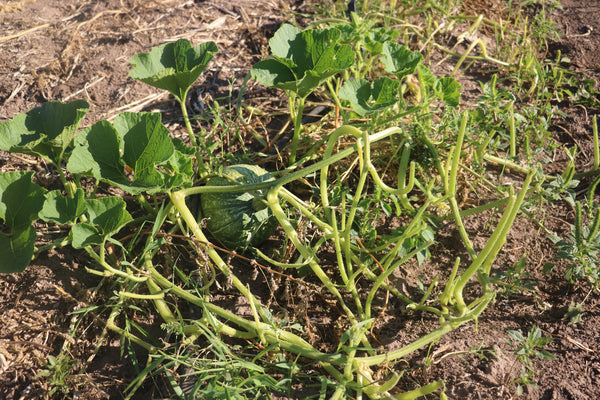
{"x":448,"y":90}
{"x":106,"y":216}
{"x":399,"y":60}
{"x":173,"y":66}
{"x":20,"y":199}
{"x":367,"y":98}
{"x":137,"y":142}
{"x":375,"y":38}
{"x":45,"y":131}
{"x":16,"y":249}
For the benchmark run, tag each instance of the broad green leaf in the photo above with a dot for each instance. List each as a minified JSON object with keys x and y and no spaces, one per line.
{"x":181,"y":165}
{"x":319,"y":45}
{"x":20,"y":199}
{"x":173,"y":66}
{"x":84,"y":234}
{"x":61,"y":209}
{"x":136,"y":145}
{"x":183,"y":148}
{"x":20,"y":202}
{"x":426,"y":77}
{"x":45,"y":131}
{"x":320,"y":58}
{"x":181,"y":162}
{"x":448,"y":90}
{"x":106,"y":215}
{"x":283,"y":43}
{"x":16,"y":249}
{"x":274,"y":73}
{"x":146,"y":144}
{"x":303,"y":60}
{"x":367,"y":98}
{"x":348,"y":33}
{"x":377,"y":37}
{"x":399,"y":60}
{"x":97,"y":153}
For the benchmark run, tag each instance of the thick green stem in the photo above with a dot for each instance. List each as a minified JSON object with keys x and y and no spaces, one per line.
{"x":427,"y":339}
{"x":60,"y":242}
{"x":492,"y":247}
{"x":450,"y":185}
{"x":420,"y":392}
{"x":508,"y":164}
{"x":110,"y":270}
{"x":178,"y":200}
{"x":461,"y":227}
{"x":403,"y":187}
{"x":446,"y":296}
{"x":513,"y":214}
{"x":455,"y":161}
{"x":345,"y":263}
{"x":334,"y":93}
{"x":272,"y":334}
{"x":297,"y":116}
{"x":201,"y":168}
{"x":305,"y":251}
{"x":480,"y":259}
{"x":69,"y":188}
{"x":596,"y":144}
{"x":513,"y":133}
{"x":304,"y":209}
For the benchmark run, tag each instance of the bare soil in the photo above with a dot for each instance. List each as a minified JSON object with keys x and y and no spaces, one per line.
{"x":62,"y":50}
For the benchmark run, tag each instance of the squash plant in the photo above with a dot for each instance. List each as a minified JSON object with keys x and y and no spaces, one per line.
{"x":100,"y":219}
{"x":240,"y":207}
{"x":301,"y":61}
{"x":175,"y":67}
{"x":46,"y":131}
{"x":351,"y":367}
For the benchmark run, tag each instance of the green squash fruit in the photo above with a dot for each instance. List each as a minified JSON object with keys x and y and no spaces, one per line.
{"x":240,"y":219}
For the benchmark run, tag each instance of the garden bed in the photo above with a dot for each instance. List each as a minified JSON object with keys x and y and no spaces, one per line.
{"x":75,"y":49}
